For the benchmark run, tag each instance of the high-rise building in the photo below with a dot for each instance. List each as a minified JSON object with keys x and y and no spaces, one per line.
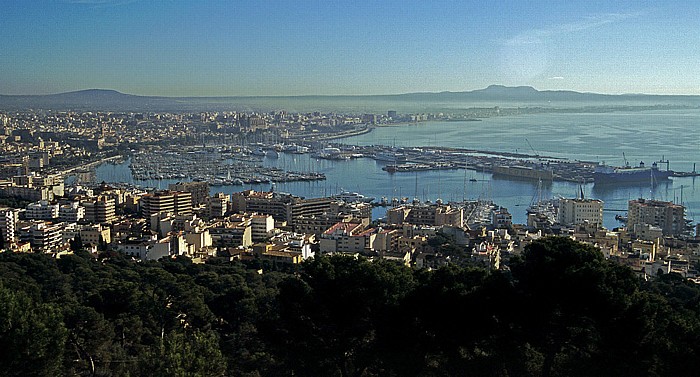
{"x":175,"y":202}
{"x":668,"y":216}
{"x":99,"y":210}
{"x":579,"y":211}
{"x":261,"y":226}
{"x":308,"y":207}
{"x":218,"y":205}
{"x":199,"y":190}
{"x":268,"y":203}
{"x":8,"y":223}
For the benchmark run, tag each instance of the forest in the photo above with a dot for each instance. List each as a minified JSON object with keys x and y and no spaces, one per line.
{"x":560,"y":309}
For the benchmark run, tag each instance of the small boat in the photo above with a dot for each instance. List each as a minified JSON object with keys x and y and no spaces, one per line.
{"x":390,"y":168}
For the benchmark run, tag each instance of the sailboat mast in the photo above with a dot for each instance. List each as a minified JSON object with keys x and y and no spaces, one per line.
{"x":415,"y":188}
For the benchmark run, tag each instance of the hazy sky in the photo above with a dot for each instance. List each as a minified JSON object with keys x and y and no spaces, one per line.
{"x":230,"y":47}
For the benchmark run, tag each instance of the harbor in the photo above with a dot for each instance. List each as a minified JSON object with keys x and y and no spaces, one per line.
{"x":365,"y":176}
{"x":513,"y":165}
{"x":454,"y":161}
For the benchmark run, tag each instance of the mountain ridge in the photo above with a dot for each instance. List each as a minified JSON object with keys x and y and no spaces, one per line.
{"x":109,"y":99}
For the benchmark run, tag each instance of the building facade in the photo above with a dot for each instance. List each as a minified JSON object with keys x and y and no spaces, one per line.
{"x":578,"y":211}
{"x":668,"y":216}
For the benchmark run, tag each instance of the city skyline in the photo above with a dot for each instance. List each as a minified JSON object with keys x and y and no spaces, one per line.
{"x":217,"y":48}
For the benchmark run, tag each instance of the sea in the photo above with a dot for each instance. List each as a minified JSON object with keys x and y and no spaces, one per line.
{"x":612,"y":137}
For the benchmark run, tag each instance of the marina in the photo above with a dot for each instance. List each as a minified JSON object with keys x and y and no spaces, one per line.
{"x":216,"y":166}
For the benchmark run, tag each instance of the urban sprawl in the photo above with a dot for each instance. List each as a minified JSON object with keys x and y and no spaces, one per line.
{"x":51,"y":203}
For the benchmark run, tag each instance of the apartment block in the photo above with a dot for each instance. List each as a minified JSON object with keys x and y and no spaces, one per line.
{"x":668,"y":216}
{"x":176,"y":202}
{"x":100,"y":209}
{"x":578,"y":211}
{"x":8,"y":223}
{"x":199,"y":191}
{"x":71,"y":212}
{"x":41,"y":210}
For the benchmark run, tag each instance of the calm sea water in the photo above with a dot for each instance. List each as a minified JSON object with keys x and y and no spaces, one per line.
{"x":641,"y":136}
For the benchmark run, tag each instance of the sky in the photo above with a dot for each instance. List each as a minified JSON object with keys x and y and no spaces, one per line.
{"x":334,"y":47}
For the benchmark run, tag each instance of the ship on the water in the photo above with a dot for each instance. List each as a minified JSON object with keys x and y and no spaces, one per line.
{"x":604,"y":174}
{"x":390,"y":156}
{"x":352,"y":197}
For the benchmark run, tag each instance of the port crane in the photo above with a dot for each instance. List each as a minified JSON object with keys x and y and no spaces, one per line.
{"x":533,"y":149}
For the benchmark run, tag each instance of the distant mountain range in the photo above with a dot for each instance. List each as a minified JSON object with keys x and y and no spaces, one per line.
{"x":494,"y":95}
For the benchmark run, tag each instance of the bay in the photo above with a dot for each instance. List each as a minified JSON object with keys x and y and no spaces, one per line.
{"x":641,"y":136}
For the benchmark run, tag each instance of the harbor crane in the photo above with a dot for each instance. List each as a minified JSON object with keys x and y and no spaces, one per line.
{"x":533,"y":149}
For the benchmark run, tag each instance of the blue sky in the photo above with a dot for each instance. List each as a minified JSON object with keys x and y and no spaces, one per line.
{"x":216,"y":48}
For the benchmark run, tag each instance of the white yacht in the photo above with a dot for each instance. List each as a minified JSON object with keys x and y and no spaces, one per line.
{"x":351,"y":197}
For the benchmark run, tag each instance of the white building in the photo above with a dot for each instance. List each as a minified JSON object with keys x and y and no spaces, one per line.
{"x":72,"y":212}
{"x":578,"y":211}
{"x":261,"y":226}
{"x":8,"y":224}
{"x":44,"y":237}
{"x":146,"y":249}
{"x":136,"y":249}
{"x":42,"y":210}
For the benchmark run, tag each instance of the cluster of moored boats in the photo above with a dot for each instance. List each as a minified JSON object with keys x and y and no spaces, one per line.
{"x":217,"y":168}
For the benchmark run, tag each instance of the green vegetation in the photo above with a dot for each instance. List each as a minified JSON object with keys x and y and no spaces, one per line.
{"x":561,"y":310}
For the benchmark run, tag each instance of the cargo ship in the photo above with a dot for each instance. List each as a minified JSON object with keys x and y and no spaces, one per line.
{"x":630,"y":174}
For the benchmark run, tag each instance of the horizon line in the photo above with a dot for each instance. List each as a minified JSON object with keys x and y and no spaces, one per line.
{"x":346,"y":95}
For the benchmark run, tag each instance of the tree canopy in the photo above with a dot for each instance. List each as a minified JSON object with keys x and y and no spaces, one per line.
{"x":560,"y":310}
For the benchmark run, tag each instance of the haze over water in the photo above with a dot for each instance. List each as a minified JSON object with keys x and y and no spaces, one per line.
{"x":642,"y":136}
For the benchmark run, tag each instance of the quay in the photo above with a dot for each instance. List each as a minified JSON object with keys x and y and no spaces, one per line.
{"x":86,"y":167}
